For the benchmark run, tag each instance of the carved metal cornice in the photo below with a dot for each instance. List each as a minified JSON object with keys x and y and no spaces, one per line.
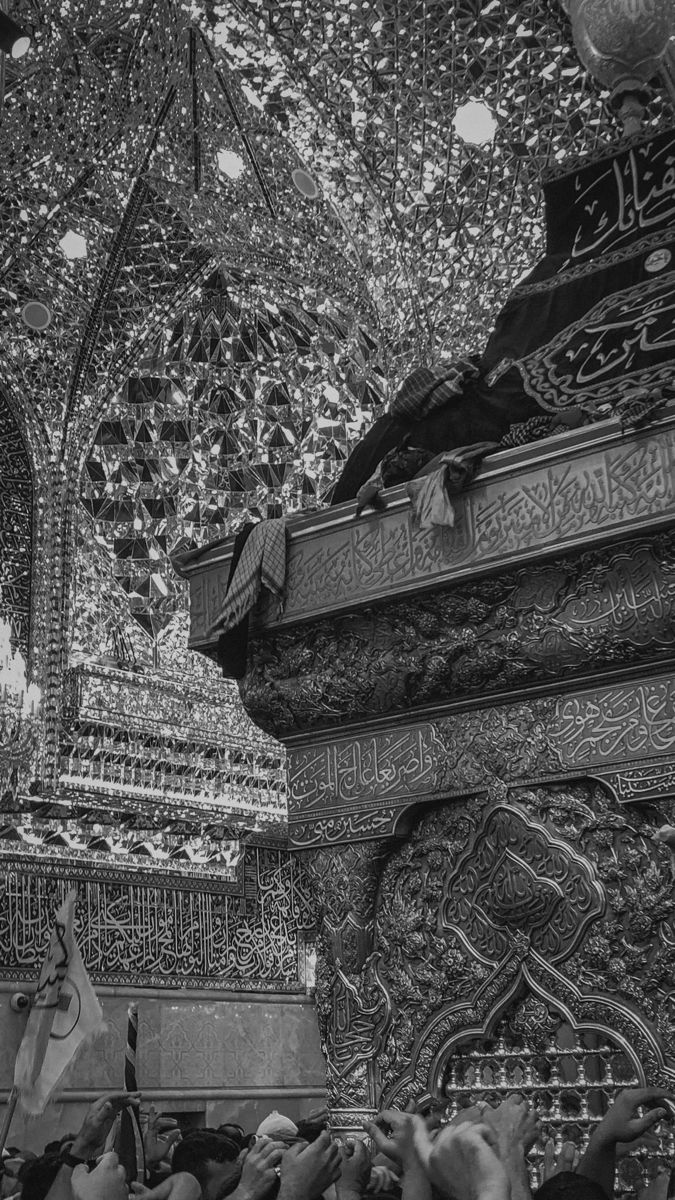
{"x":578,"y":489}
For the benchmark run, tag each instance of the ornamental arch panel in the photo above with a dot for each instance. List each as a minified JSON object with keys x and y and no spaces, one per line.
{"x":521,"y":944}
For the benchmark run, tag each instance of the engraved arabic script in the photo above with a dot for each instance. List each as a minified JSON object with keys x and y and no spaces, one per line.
{"x":609,"y":723}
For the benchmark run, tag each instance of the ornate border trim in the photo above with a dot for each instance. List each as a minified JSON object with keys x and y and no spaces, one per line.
{"x":360,"y":785}
{"x":571,"y":271}
{"x":583,"y":489}
{"x":186,"y":983}
{"x":87,"y":866}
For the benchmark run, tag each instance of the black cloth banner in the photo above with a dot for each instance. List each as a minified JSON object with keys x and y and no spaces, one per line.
{"x":613,"y":201}
{"x":592,"y":326}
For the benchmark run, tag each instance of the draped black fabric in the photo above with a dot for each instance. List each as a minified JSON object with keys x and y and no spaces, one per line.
{"x":592,"y":328}
{"x":385,"y":435}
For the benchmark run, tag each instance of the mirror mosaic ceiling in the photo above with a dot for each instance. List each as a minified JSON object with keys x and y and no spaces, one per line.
{"x":226,"y":338}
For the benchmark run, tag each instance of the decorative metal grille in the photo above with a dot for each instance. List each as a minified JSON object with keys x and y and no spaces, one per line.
{"x":570,"y":1075}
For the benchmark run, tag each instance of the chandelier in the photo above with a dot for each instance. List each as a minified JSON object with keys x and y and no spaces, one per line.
{"x":20,"y":710}
{"x":626,"y":44}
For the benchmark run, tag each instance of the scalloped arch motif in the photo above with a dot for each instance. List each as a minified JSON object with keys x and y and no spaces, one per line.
{"x":487,"y":971}
{"x":570,"y":1058}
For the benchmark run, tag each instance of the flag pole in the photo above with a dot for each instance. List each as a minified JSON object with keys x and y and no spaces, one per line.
{"x":12,"y":1101}
{"x":129,"y":1143}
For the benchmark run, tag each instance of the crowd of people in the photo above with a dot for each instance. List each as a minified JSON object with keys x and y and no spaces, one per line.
{"x":482,"y":1154}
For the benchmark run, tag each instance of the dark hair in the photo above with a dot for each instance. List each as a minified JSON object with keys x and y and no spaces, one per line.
{"x":37,"y":1176}
{"x":56,"y":1146}
{"x":200,"y":1147}
{"x":234,"y":1132}
{"x":567,"y":1185}
{"x":309,"y":1131}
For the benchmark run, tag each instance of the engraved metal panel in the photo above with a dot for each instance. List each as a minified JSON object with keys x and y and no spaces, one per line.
{"x":595,"y":731}
{"x":515,"y":873}
{"x":524,"y":947}
{"x":578,"y":615}
{"x":584,"y":489}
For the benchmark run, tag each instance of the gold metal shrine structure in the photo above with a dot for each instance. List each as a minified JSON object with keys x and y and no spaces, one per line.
{"x":481,"y":739}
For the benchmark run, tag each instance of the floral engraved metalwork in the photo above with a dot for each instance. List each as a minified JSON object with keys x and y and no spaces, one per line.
{"x":515,"y":878}
{"x":561,"y":896}
{"x":361,"y":1016}
{"x":154,"y":377}
{"x":572,"y":1074}
{"x":581,"y":614}
{"x":353,"y":1003}
{"x":597,"y":731}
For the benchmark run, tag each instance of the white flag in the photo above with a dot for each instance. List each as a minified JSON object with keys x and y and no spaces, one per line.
{"x":65,"y":1013}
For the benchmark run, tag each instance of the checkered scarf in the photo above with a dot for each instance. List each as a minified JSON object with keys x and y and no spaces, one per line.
{"x":522,"y":432}
{"x":262,"y":564}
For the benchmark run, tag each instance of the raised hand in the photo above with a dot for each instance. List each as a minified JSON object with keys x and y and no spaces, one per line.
{"x":399,"y":1144}
{"x":354,"y":1170}
{"x":108,"y":1180}
{"x":161,"y":1133}
{"x":463,"y":1163}
{"x":181,"y":1186}
{"x":567,"y":1160}
{"x":433,"y":1117}
{"x":620,"y":1124}
{"x":307,"y":1171}
{"x":623,"y":1124}
{"x":98,"y":1121}
{"x":260,"y":1170}
{"x":513,"y":1121}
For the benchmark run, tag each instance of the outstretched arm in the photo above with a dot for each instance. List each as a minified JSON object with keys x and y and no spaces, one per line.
{"x":621,"y":1124}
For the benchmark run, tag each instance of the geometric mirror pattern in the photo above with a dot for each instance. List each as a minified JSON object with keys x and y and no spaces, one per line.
{"x":445,"y":226}
{"x":246,"y":411}
{"x":247,"y":223}
{"x":16,"y":527}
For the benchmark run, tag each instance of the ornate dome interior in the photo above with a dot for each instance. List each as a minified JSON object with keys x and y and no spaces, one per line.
{"x":229,"y":232}
{"x":247,"y":222}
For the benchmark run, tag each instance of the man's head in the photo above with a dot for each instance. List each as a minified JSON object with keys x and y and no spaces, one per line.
{"x":235,"y":1132}
{"x":37,"y":1176}
{"x":278,"y":1128}
{"x":212,"y":1158}
{"x":567,"y":1185}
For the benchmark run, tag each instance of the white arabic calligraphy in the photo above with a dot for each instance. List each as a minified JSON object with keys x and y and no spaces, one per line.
{"x":624,"y":200}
